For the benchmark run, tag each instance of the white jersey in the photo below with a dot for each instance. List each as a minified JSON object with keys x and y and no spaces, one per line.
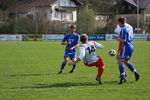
{"x":118,"y":29}
{"x":88,"y":52}
{"x":131,"y":30}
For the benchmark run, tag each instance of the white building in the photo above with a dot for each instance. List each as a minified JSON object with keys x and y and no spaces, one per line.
{"x":60,"y":10}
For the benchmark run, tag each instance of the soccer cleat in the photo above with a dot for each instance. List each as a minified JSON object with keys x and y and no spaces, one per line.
{"x":59,"y":72}
{"x":122,"y":81}
{"x":137,"y":76}
{"x":125,"y":76}
{"x":125,"y":80}
{"x":99,"y":80}
{"x":71,"y":71}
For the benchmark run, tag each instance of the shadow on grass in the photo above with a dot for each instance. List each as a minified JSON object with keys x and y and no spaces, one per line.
{"x":15,"y":75}
{"x":57,"y":85}
{"x":117,"y":82}
{"x":110,"y":82}
{"x":61,"y":85}
{"x":26,"y":75}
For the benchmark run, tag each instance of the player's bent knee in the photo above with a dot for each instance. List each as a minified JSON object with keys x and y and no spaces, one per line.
{"x":74,"y":60}
{"x":103,"y":67}
{"x":120,"y":62}
{"x":66,"y":59}
{"x":126,"y":62}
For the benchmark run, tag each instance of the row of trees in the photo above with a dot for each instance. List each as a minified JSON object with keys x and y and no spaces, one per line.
{"x":86,"y":20}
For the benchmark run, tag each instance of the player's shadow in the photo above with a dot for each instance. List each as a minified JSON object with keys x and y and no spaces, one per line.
{"x":57,"y":85}
{"x":111,"y":82}
{"x":26,"y":75}
{"x":117,"y":82}
{"x":17,"y":75}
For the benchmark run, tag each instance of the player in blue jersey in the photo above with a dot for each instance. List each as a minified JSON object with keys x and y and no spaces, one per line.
{"x":126,"y":51}
{"x":71,"y":40}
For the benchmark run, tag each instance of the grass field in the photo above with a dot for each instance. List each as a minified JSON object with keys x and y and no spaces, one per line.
{"x":28,"y":72}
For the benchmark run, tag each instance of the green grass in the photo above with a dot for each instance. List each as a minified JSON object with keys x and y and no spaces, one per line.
{"x":28,"y":72}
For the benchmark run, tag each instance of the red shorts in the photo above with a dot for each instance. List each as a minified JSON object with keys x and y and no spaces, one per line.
{"x":98,"y":63}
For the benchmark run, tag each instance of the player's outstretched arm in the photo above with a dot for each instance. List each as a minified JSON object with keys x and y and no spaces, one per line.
{"x":98,"y":45}
{"x":75,"y":46}
{"x":65,"y":43}
{"x":82,"y":55}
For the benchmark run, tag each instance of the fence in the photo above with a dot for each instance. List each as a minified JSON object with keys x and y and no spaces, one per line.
{"x":96,"y":37}
{"x":11,"y":38}
{"x":55,"y":37}
{"x":58,"y":37}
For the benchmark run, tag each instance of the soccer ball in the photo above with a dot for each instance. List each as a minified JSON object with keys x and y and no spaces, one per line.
{"x":112,"y":52}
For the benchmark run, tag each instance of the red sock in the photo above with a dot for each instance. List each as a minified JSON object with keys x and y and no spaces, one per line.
{"x":100,"y":71}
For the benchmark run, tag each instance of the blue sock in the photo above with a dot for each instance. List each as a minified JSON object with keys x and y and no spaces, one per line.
{"x":122,"y":71}
{"x":131,"y":67}
{"x":63,"y":66}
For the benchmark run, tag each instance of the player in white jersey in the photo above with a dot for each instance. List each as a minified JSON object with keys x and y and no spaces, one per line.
{"x":89,"y":56}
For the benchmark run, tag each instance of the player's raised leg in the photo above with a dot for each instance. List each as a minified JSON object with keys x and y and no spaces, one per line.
{"x":132,"y":68}
{"x":128,"y":54}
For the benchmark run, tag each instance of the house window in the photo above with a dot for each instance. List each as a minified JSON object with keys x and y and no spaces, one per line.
{"x":18,"y":16}
{"x":59,"y":3}
{"x":56,"y":15}
{"x":45,"y":14}
{"x":122,"y":9}
{"x":70,"y":3}
{"x":11,"y":15}
{"x":70,"y":16}
{"x":129,"y":7}
{"x":64,"y":15}
{"x":30,"y":16}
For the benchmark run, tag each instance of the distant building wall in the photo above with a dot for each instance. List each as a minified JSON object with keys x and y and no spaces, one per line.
{"x":144,"y":21}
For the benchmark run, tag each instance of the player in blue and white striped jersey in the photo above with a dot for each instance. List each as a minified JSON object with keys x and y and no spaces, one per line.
{"x":126,"y":51}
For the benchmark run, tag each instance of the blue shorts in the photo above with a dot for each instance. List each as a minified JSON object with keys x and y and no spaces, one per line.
{"x":126,"y":52}
{"x":70,"y":54}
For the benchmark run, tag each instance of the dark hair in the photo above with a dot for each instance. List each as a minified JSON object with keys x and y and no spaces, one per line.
{"x":83,"y":38}
{"x":73,"y":26}
{"x":122,"y":20}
